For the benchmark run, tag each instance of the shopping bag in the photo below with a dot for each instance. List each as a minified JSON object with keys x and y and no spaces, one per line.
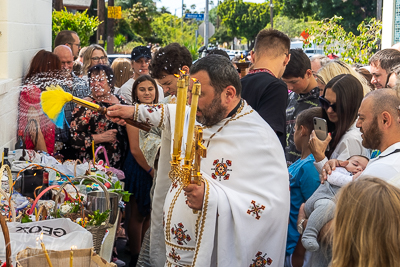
{"x":58,"y":234}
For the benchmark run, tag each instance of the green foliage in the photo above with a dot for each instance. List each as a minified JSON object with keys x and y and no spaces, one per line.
{"x":81,"y":23}
{"x":352,"y":48}
{"x":353,"y":11}
{"x":119,"y":40}
{"x":221,"y":36}
{"x":243,"y":19}
{"x":135,"y":21}
{"x":98,"y":217}
{"x":167,"y":29}
{"x":292,"y":27}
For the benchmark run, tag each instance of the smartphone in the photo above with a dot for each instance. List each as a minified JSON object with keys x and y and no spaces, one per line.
{"x":321,"y":129}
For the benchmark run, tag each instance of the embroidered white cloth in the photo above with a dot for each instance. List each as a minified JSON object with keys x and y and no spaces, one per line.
{"x":246,"y":204}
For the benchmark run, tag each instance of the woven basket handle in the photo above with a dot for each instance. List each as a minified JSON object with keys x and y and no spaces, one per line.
{"x":105,"y":154}
{"x":9,"y":174}
{"x":6,"y":234}
{"x":76,"y":163}
{"x":40,"y":195}
{"x":10,"y":204}
{"x":106,"y":194}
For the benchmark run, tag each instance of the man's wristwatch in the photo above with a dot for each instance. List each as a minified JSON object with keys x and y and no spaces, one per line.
{"x":300,"y":228}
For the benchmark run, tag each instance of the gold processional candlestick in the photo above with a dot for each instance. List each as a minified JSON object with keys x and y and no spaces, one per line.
{"x":179,"y":123}
{"x":189,"y":152}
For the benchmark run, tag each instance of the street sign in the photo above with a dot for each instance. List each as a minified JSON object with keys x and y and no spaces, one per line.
{"x":194,"y":16}
{"x":211,"y":29}
{"x":114,"y":12}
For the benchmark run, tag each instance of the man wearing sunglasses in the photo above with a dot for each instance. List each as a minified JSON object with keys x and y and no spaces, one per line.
{"x":299,"y":79}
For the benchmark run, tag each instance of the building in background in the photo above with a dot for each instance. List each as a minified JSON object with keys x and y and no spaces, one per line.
{"x":25,"y":28}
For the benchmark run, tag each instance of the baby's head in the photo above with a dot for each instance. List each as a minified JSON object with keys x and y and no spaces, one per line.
{"x":357,"y":163}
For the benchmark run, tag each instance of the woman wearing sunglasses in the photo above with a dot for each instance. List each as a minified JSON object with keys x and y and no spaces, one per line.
{"x":340,"y":101}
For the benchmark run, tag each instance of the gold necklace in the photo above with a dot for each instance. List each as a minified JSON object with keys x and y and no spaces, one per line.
{"x":231,"y":119}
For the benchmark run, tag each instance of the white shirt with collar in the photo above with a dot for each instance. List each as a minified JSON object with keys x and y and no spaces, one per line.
{"x":386,"y":165}
{"x":126,"y":91}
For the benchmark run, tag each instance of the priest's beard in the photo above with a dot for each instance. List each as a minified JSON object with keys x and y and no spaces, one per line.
{"x":213,"y":113}
{"x":372,"y":136}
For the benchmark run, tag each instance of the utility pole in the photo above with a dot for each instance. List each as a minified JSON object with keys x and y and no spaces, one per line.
{"x":271,"y":13}
{"x":182,"y":17}
{"x":58,"y":5}
{"x":206,"y":26}
{"x":379,"y":10}
{"x":110,"y":31}
{"x":101,"y":30}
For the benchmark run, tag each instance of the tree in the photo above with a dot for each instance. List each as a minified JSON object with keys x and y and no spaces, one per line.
{"x":135,"y":21}
{"x":193,"y":7}
{"x":164,"y":9}
{"x":352,"y":11}
{"x":243,"y":19}
{"x":81,"y":23}
{"x":352,"y":48}
{"x":291,"y":27}
{"x":167,"y":29}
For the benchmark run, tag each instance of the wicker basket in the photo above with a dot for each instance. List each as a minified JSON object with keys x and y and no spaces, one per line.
{"x":7,"y":196}
{"x":98,"y":232}
{"x":7,"y":240}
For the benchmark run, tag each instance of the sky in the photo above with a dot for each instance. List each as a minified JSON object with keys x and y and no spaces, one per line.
{"x":176,"y":5}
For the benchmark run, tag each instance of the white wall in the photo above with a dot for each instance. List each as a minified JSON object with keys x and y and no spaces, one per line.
{"x":25,"y":27}
{"x":388,"y":23}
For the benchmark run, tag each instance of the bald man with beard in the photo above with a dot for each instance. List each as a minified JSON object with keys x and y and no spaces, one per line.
{"x":77,"y":87}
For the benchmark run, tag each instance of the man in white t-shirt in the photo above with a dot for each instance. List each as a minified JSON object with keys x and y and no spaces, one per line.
{"x":378,"y":120}
{"x":140,"y":59}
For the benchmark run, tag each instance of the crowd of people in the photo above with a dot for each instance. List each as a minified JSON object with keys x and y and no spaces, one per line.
{"x":273,"y":192}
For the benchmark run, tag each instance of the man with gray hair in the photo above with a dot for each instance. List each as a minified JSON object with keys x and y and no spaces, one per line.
{"x":317,"y":62}
{"x":380,"y":65}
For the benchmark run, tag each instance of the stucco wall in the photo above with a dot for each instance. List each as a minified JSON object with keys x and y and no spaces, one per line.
{"x":25,"y":27}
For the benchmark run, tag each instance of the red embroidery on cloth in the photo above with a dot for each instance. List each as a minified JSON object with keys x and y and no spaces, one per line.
{"x":260,"y":261}
{"x":152,"y":108}
{"x":261,"y":70}
{"x":221,"y":169}
{"x":255,"y":210}
{"x":174,"y":255}
{"x":180,"y":234}
{"x":174,"y":185}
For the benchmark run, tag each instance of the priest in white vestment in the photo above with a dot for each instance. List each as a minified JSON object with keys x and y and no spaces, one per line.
{"x":243,"y":201}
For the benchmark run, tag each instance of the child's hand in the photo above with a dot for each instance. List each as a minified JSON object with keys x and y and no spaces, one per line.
{"x":355,"y":176}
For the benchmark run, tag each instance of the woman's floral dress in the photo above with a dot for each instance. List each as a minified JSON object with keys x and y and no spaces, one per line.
{"x":85,"y":123}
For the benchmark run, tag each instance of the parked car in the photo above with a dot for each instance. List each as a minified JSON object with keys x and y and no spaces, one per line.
{"x":112,"y":57}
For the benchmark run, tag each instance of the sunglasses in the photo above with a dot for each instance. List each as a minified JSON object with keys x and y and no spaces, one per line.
{"x":325,"y":104}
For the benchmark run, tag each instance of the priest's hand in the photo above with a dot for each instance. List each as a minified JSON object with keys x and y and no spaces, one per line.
{"x":195,"y":195}
{"x":117,"y":113}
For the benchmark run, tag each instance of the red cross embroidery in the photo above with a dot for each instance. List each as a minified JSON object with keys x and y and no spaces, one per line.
{"x":255,"y":209}
{"x":174,"y":255}
{"x":260,"y":260}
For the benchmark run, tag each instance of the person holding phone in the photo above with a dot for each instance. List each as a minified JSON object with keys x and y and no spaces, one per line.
{"x":340,"y":102}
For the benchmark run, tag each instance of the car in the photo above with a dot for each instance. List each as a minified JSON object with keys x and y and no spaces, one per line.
{"x":112,"y":57}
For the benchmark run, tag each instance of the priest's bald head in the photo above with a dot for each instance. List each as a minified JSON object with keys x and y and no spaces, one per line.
{"x":220,"y":88}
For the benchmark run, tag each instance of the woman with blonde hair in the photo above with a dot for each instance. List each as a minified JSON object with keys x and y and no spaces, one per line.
{"x":122,"y":69}
{"x":94,"y":55}
{"x":333,"y":69}
{"x":366,"y":225}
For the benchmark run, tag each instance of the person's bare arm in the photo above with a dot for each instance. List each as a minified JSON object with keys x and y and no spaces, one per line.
{"x":298,"y":254}
{"x":108,"y":136}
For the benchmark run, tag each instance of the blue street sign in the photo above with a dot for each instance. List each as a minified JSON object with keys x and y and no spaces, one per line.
{"x":194,"y":16}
